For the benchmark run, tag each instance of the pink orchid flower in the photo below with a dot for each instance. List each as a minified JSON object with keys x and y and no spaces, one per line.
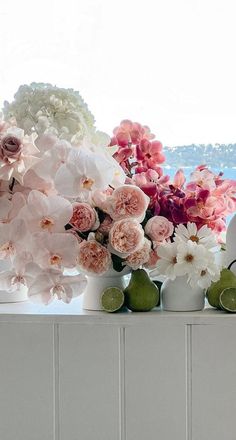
{"x":149,"y":153}
{"x":55,"y":250}
{"x":10,"y":206}
{"x":12,"y":238}
{"x":22,"y":273}
{"x":46,"y":213}
{"x":50,"y":285}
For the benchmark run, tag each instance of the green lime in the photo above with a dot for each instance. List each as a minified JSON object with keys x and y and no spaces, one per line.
{"x":112,"y":299}
{"x":228,"y":299}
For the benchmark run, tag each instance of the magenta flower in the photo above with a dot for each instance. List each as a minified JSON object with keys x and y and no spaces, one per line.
{"x":137,"y":151}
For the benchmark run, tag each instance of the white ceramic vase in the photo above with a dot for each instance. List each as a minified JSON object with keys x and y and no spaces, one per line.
{"x":98,"y":283}
{"x":179,"y":296}
{"x":230,"y":254}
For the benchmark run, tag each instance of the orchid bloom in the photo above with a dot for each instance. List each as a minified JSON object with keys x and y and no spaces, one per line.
{"x":52,"y":284}
{"x":55,"y":250}
{"x":10,"y":206}
{"x":46,"y":213}
{"x":12,"y":238}
{"x":22,"y":273}
{"x":84,"y":171}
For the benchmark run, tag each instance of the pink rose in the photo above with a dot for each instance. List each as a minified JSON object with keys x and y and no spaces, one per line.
{"x":153,"y":259}
{"x":128,"y":201}
{"x":158,"y":228}
{"x":84,"y":217}
{"x":73,"y":232}
{"x":10,"y":147}
{"x":93,"y":257}
{"x":140,"y":257}
{"x":126,"y":236}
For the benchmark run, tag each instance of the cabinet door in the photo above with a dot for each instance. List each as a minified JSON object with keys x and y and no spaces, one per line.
{"x":26,"y":381}
{"x":213,"y":382}
{"x":88,"y":382}
{"x":155,"y":382}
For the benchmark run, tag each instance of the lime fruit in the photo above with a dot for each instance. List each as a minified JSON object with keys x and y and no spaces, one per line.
{"x":228,"y":299}
{"x":112,"y":299}
{"x":227,"y":279}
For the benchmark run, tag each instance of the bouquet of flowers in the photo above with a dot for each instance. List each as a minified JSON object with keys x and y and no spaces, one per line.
{"x":72,"y":197}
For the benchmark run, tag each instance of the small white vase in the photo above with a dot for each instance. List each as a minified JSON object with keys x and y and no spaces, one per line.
{"x":96,"y":284}
{"x":230,"y":254}
{"x":18,"y":295}
{"x":179,"y":296}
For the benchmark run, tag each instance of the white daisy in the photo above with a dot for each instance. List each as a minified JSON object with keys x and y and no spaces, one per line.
{"x":202,"y":236}
{"x":205,"y":276}
{"x":191,"y":257}
{"x":168,"y":258}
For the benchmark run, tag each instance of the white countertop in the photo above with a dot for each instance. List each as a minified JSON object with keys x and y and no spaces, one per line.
{"x":58,"y":312}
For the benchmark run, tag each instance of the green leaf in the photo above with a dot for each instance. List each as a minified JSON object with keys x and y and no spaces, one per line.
{"x":117,"y":263}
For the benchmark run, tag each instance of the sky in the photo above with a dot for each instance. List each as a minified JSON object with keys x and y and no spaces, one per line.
{"x":169,"y":64}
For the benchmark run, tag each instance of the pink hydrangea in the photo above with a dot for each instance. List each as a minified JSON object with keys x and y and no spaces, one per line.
{"x":84,"y":217}
{"x":93,"y":258}
{"x":126,"y":236}
{"x":159,"y":229}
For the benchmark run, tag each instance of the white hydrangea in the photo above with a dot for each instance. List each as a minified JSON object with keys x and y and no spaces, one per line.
{"x":43,"y":108}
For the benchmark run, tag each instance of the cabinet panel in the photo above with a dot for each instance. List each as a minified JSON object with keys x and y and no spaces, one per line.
{"x":213,"y":382}
{"x":155,"y":382}
{"x":89,"y":382}
{"x":26,"y":381}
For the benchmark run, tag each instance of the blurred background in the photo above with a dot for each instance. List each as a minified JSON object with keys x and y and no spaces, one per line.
{"x":166,"y":63}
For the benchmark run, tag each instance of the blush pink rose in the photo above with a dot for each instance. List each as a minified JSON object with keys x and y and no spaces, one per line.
{"x":84,"y":217}
{"x":137,"y":259}
{"x":10,"y":147}
{"x":128,"y":201}
{"x":153,"y":259}
{"x":74,"y":232}
{"x":93,"y":258}
{"x":126,"y":236}
{"x":158,"y":228}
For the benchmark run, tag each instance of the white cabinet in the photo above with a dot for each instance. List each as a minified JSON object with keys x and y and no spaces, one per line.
{"x":214,"y":382}
{"x":26,"y":381}
{"x":88,"y":382}
{"x":155,"y":381}
{"x":67,"y":374}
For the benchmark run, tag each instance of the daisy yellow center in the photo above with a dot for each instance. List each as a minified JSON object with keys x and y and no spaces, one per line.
{"x":46,"y":223}
{"x":189,"y":258}
{"x":55,"y":260}
{"x":87,"y":183}
{"x":194,"y":238}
